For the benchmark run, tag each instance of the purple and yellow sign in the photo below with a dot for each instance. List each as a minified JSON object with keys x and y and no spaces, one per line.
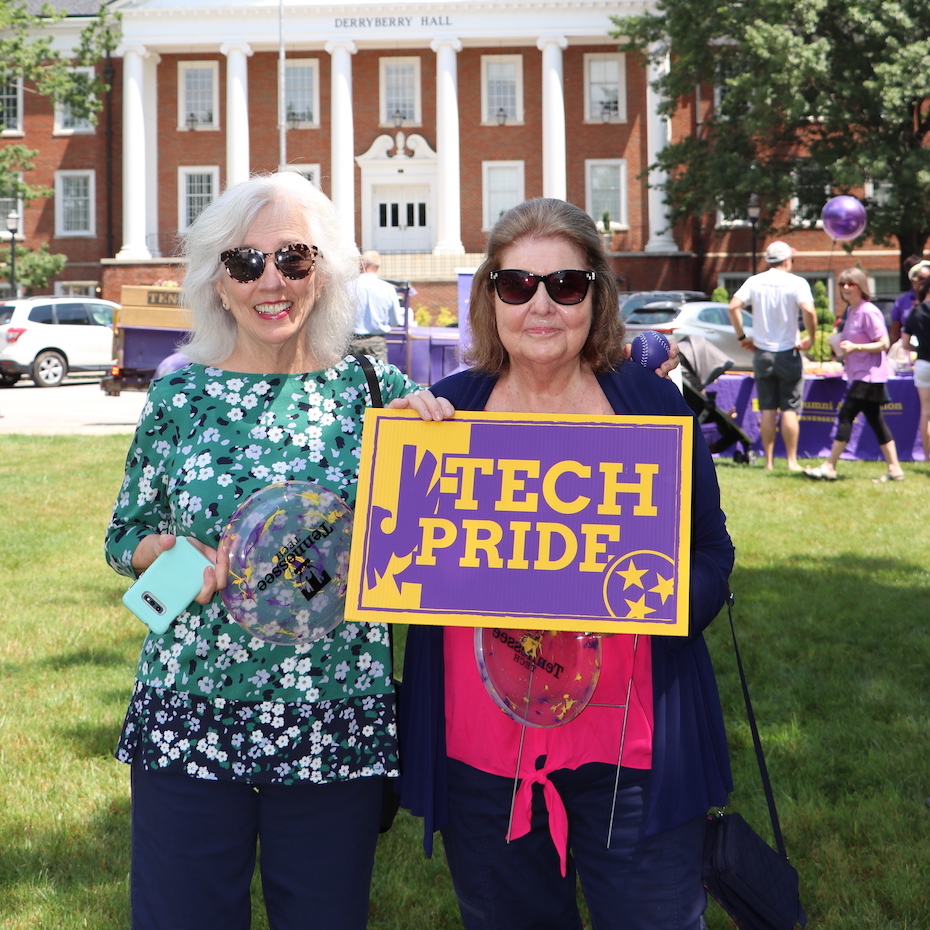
{"x":523,"y":520}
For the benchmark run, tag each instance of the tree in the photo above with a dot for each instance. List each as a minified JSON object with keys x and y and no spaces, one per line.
{"x":26,"y":54}
{"x":814,"y":98}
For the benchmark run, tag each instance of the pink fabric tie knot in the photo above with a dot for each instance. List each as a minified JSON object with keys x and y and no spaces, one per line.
{"x":558,"y":817}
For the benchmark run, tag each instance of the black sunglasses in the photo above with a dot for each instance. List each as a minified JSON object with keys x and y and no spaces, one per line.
{"x":293,"y":261}
{"x":564,"y":287}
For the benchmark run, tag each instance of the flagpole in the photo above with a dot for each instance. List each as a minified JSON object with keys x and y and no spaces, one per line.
{"x":282,"y":74}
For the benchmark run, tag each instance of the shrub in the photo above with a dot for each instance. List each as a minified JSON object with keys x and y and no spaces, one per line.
{"x":825,"y":317}
{"x":721,"y":295}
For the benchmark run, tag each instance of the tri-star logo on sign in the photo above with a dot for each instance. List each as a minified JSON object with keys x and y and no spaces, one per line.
{"x":524,"y":520}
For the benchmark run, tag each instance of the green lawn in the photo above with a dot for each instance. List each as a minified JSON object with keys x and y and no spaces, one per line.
{"x":832,"y":586}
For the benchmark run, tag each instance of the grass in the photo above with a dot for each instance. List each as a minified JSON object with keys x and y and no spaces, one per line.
{"x":832,"y":583}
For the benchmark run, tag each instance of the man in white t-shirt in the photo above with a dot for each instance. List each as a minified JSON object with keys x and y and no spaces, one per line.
{"x":776,"y":298}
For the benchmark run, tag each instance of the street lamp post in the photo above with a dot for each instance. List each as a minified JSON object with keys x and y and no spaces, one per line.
{"x":12,"y":224}
{"x":753,"y":210}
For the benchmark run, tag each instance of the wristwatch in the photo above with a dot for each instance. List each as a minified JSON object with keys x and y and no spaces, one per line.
{"x":740,"y":337}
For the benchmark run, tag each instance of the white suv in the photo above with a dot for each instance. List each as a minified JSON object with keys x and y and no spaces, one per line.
{"x":46,"y":337}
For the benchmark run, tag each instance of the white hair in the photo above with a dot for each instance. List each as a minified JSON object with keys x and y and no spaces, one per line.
{"x":224,"y":223}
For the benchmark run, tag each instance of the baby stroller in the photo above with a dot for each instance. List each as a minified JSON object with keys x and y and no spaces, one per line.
{"x":701,"y":363}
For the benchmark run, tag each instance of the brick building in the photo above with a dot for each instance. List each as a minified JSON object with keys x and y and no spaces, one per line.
{"x":422,"y":121}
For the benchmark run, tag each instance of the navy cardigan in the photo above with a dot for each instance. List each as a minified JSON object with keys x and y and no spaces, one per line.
{"x":690,"y":761}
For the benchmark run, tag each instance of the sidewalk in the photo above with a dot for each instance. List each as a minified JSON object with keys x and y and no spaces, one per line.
{"x":77,"y":406}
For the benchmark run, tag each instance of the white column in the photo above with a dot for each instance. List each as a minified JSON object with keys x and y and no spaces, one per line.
{"x":658,"y":135}
{"x":342,"y":145}
{"x":448,"y":177}
{"x":150,"y":105}
{"x":134,"y":168}
{"x":553,"y":100}
{"x":238,"y":162}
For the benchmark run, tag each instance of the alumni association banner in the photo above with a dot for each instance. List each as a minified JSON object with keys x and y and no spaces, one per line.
{"x":562,"y":522}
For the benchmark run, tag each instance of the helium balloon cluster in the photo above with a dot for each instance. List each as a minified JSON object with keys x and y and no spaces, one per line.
{"x":844,"y":218}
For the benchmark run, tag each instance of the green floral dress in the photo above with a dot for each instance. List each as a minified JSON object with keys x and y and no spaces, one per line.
{"x":210,"y":700}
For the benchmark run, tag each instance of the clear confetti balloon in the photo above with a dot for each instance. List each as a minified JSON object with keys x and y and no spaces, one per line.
{"x":538,"y":677}
{"x":288,"y":562}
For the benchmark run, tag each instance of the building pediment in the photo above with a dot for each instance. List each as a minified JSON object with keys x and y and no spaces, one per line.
{"x":161,"y":24}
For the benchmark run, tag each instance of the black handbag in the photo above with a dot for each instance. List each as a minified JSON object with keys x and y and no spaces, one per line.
{"x":390,"y":797}
{"x":755,"y":884}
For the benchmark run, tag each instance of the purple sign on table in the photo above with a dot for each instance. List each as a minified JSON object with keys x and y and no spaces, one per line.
{"x":555,"y":522}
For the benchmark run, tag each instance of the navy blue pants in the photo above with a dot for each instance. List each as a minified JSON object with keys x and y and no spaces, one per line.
{"x":639,"y":883}
{"x":194,"y":850}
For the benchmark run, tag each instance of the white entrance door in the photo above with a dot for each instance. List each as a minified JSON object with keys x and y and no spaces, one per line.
{"x":401,"y":220}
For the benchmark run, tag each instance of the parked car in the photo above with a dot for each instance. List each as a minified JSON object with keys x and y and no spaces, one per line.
{"x":696,"y":318}
{"x":46,"y":337}
{"x":633,"y":300}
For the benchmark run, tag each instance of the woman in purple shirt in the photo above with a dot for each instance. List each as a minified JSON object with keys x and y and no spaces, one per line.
{"x":864,"y":344}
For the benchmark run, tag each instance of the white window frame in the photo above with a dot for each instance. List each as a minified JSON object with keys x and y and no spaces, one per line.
{"x":884,"y":282}
{"x":84,"y":126}
{"x":77,"y":289}
{"x":879,"y":191}
{"x":310,"y":171}
{"x":15,"y":203}
{"x":313,"y":64}
{"x":589,"y":59}
{"x":489,"y":118}
{"x":16,"y":130}
{"x":386,"y":119}
{"x":184,"y":109}
{"x":737,"y":222}
{"x":184,"y":172}
{"x":486,"y":168}
{"x":91,"y":230}
{"x":620,"y":222}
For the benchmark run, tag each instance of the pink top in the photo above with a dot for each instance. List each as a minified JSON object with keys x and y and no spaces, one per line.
{"x":481,"y":735}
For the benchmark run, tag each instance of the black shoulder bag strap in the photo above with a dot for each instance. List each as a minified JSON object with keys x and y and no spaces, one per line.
{"x":760,"y":758}
{"x":390,"y":797}
{"x":374,"y":389}
{"x":374,"y":393}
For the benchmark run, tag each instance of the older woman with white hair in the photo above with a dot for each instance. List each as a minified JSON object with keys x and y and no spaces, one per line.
{"x":235,"y":742}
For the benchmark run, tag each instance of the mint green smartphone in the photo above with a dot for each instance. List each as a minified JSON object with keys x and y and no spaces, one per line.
{"x":168,"y":585}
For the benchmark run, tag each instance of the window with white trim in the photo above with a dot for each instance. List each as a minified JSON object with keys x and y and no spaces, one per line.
{"x":605,"y":88}
{"x":501,"y":189}
{"x":880,"y":192}
{"x":74,"y":203}
{"x":76,"y":288}
{"x":310,"y":172}
{"x":812,"y":190}
{"x":399,"y":82}
{"x":11,"y":107}
{"x":302,"y":92}
{"x":606,"y":190}
{"x":501,"y":88}
{"x":8,"y":204}
{"x":198,"y":94}
{"x":732,"y":221}
{"x":66,"y":121}
{"x":197,"y":187}
{"x":885,"y":282}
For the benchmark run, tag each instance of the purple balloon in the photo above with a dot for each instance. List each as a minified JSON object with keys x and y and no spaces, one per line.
{"x":844,"y":218}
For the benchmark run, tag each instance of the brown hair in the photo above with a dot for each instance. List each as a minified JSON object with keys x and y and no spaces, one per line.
{"x":545,"y":218}
{"x":857,"y":277}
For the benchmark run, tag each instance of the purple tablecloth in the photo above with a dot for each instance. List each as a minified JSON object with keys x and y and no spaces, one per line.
{"x":822,"y":396}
